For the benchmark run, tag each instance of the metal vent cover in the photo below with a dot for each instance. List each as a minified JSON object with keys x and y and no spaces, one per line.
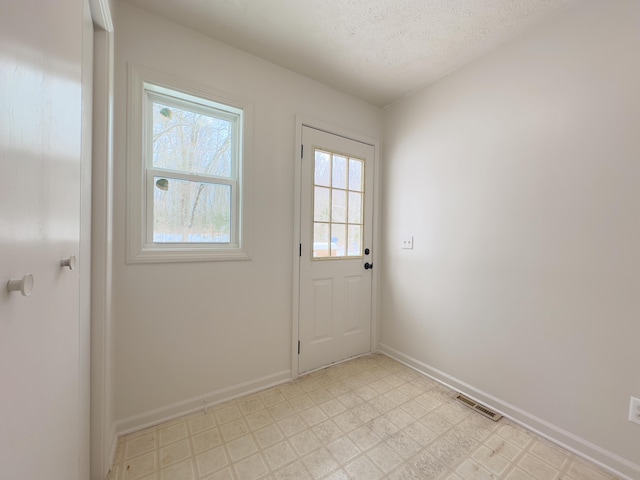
{"x":481,"y":409}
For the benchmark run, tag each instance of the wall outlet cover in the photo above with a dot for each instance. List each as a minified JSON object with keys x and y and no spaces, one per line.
{"x":407,"y":243}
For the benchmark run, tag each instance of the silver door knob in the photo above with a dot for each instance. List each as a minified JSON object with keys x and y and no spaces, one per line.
{"x":69,"y":262}
{"x":23,"y":285}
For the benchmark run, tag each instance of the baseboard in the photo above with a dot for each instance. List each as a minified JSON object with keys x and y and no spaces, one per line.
{"x":567,"y":440}
{"x":186,"y":407}
{"x":114,"y":445}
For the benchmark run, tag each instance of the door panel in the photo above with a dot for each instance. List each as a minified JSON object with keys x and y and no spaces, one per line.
{"x":322,"y":301}
{"x":40,"y":145}
{"x":336,"y":230}
{"x":356,"y":294}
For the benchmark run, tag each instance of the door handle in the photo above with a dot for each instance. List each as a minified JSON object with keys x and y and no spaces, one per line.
{"x":368,"y":266}
{"x":23,"y":285}
{"x":69,"y":262}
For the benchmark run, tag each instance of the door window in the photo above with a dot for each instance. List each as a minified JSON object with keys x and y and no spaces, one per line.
{"x":338,"y":205}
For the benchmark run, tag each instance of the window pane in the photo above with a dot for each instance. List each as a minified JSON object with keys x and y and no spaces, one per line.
{"x":339,"y":206}
{"x":338,"y":239}
{"x":322,"y":169}
{"x":339,"y":174}
{"x":191,"y":212}
{"x":321,"y":240}
{"x":191,"y":142}
{"x":355,"y":207}
{"x":355,"y":241}
{"x":321,"y":208}
{"x":355,"y":174}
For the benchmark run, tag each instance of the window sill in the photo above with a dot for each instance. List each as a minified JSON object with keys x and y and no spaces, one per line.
{"x":173,"y":254}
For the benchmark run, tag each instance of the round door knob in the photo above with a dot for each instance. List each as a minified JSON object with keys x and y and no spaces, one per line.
{"x":23,"y":285}
{"x":368,"y":266}
{"x":69,"y":262}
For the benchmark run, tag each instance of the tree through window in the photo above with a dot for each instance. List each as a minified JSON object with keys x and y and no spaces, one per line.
{"x":194,"y":172}
{"x":187,"y":163}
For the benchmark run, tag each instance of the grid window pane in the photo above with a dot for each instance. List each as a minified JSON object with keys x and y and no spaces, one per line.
{"x":321,"y":240}
{"x":194,"y":212}
{"x":339,"y":206}
{"x":338,"y":239}
{"x":355,"y":207}
{"x":354,"y":248}
{"x":356,"y":169}
{"x":339,"y":173}
{"x":322,"y":169}
{"x":321,"y":206}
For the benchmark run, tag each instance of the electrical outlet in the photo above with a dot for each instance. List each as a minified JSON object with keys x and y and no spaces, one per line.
{"x":407,"y":243}
{"x":634,"y":410}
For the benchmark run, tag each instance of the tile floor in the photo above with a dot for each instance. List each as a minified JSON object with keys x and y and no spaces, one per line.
{"x":366,"y":419}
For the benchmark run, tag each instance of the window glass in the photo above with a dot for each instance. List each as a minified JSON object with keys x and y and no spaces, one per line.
{"x":337,"y":205}
{"x":190,"y":141}
{"x":193,"y":161}
{"x":186,"y":212}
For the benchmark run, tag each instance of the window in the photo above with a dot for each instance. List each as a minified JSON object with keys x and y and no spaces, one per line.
{"x":187,"y":170}
{"x":338,"y":196}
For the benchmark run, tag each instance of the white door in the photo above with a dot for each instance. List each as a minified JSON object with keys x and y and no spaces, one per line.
{"x":335,"y":249}
{"x":40,"y":157}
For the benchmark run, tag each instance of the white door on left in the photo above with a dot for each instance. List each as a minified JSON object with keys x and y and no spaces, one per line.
{"x":40,"y":158}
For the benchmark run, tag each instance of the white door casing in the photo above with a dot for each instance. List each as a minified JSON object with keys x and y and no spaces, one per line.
{"x":40,"y":159}
{"x":84,"y":250}
{"x":334,"y":313}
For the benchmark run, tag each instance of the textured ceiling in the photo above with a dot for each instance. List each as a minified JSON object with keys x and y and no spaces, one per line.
{"x":378,"y":50}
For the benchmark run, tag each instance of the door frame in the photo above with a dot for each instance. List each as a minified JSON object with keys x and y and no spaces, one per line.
{"x":305,"y":121}
{"x":103,"y":439}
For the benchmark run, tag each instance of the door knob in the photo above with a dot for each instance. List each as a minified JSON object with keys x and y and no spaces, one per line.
{"x":69,"y":262}
{"x":23,"y":285}
{"x":368,"y":266}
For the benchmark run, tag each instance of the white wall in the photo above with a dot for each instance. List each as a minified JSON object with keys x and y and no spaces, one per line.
{"x":183,"y":331}
{"x":519,"y":177}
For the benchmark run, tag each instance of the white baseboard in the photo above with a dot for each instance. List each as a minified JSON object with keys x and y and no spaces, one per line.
{"x":186,"y":407}
{"x":114,"y":445}
{"x":567,"y":440}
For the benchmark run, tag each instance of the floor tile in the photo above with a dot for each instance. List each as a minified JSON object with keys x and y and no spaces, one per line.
{"x":138,"y":467}
{"x":206,"y":440}
{"x":343,"y":450}
{"x":280,"y":455}
{"x":320,"y":463}
{"x":173,"y":433}
{"x":174,"y":453}
{"x":363,"y":468}
{"x":211,"y":460}
{"x":251,"y":468}
{"x":179,"y":471}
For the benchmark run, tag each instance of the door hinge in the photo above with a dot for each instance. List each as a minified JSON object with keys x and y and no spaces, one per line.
{"x":298,"y":347}
{"x":300,"y":253}
{"x":301,"y":151}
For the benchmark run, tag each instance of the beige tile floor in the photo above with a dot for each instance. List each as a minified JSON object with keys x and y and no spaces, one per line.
{"x":366,"y":419}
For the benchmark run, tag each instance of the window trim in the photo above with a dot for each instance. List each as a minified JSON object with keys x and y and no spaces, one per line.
{"x":142,"y":80}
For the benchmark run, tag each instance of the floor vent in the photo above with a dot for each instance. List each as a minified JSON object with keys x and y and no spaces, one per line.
{"x":487,"y":412}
